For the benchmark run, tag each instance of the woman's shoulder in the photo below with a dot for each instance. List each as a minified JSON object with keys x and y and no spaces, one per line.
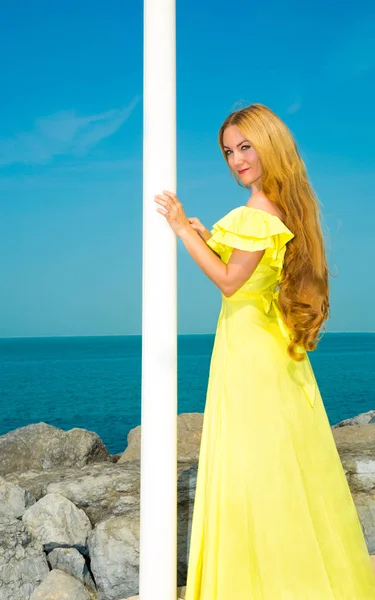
{"x":260,"y":202}
{"x":247,"y":220}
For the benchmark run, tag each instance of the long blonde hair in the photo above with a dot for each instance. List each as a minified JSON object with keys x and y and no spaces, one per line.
{"x":304,"y":293}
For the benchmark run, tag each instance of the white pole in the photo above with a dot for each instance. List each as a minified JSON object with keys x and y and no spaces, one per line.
{"x":158,"y":527}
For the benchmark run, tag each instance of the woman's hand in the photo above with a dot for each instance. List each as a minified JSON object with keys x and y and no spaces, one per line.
{"x":174,"y":212}
{"x":199,"y":228}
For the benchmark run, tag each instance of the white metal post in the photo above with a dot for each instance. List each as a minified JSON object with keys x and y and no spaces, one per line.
{"x":158,"y":527}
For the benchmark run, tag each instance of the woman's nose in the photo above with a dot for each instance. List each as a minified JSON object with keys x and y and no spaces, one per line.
{"x":238,"y":159}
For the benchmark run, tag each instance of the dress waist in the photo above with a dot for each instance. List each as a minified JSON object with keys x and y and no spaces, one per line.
{"x":269,"y":298}
{"x":266,"y":296}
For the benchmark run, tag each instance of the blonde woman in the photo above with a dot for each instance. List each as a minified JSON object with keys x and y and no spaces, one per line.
{"x":273,"y":516}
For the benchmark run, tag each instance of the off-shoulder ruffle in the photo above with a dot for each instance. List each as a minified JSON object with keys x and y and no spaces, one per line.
{"x":248,"y":228}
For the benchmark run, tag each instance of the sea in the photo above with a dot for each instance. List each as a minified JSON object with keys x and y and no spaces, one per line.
{"x":95,"y":382}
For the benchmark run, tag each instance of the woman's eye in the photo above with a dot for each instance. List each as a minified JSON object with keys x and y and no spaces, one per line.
{"x":246,"y":146}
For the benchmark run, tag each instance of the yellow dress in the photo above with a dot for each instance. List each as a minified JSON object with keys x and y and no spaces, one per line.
{"x":273,"y":517}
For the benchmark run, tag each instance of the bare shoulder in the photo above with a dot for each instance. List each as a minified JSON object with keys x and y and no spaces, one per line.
{"x":260,"y":201}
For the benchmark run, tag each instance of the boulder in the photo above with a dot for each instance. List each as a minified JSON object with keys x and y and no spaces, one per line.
{"x":23,"y":564}
{"x":356,"y":447}
{"x":114,"y":553}
{"x":60,"y":586}
{"x":181,"y":591}
{"x":56,"y":522}
{"x":189,"y":433}
{"x":361,"y":419}
{"x":14,"y":500}
{"x":41,"y":447}
{"x":102,"y":490}
{"x":60,"y":503}
{"x":114,"y":544}
{"x":71,"y":562}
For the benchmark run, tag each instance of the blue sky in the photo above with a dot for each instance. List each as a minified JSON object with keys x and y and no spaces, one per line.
{"x":71,"y":79}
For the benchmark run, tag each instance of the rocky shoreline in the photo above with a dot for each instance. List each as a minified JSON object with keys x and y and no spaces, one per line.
{"x":69,"y":510}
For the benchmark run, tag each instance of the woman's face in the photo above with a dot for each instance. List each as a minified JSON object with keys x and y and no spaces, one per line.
{"x":241,"y":157}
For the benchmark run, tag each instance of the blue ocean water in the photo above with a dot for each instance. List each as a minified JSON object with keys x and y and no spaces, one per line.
{"x":95,"y":382}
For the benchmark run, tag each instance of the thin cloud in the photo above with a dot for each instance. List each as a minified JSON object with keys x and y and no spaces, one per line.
{"x":63,"y":133}
{"x":353,"y":53}
{"x":293,"y":108}
{"x":48,"y":176}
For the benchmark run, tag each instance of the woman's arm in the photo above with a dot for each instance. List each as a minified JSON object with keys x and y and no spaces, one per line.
{"x":228,"y":278}
{"x":206,"y":259}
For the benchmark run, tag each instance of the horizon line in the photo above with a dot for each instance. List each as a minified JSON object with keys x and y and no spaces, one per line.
{"x":41,"y":337}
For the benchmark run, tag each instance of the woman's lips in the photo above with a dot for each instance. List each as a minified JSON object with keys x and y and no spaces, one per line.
{"x":243,"y":171}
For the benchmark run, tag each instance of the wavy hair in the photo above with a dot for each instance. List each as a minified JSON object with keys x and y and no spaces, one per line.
{"x":304,"y":290}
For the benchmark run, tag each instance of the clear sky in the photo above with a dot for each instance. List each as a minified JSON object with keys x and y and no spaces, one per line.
{"x":71,"y":79}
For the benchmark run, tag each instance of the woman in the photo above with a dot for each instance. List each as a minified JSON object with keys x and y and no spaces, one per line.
{"x":273,"y":517}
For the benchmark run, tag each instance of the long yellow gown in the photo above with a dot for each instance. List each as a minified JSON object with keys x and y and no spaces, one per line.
{"x":274,"y":518}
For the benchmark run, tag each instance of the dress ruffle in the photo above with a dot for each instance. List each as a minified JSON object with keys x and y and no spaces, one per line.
{"x":248,"y":228}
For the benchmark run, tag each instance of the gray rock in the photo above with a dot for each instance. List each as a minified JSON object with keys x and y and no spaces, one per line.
{"x":36,"y":482}
{"x":41,"y":447}
{"x":23,"y":564}
{"x":13,"y":499}
{"x":102,"y":490}
{"x":365,"y":506}
{"x":114,"y":553}
{"x":189,"y":433}
{"x":60,"y":586}
{"x":185,"y":502}
{"x":361,"y":419}
{"x":114,"y":544}
{"x":56,"y":522}
{"x":356,"y":447}
{"x":71,"y":562}
{"x":108,"y":493}
{"x":181,"y":592}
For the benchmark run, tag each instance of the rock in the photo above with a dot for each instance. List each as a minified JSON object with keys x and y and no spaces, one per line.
{"x":361,"y":419}
{"x":13,"y":499}
{"x":36,"y":482}
{"x":55,"y":521}
{"x":114,"y":552}
{"x":185,"y":503}
{"x":114,"y":544}
{"x":356,"y":447}
{"x":102,"y":490}
{"x":108,"y":493}
{"x":60,"y":586}
{"x":181,"y":591}
{"x":365,"y":506}
{"x":115,"y":457}
{"x":23,"y":564}
{"x":71,"y":562}
{"x":189,"y":433}
{"x":41,"y":447}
